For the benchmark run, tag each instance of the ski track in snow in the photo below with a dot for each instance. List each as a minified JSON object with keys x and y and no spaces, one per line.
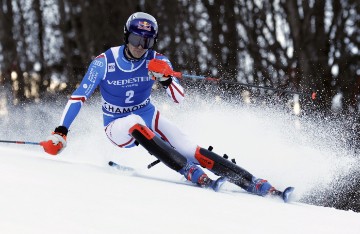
{"x":76,"y":192}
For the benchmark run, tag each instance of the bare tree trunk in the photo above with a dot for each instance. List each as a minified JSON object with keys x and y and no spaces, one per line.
{"x":224,"y":37}
{"x":11,"y":56}
{"x":44,"y":79}
{"x":66,"y":50}
{"x":231,"y":39}
{"x":311,"y":50}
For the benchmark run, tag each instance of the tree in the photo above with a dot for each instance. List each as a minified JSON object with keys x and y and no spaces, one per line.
{"x":11,"y":61}
{"x":40,"y":57}
{"x":300,"y":45}
{"x":324,"y":41}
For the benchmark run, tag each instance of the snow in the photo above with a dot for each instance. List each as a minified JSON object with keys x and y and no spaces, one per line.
{"x":76,"y":192}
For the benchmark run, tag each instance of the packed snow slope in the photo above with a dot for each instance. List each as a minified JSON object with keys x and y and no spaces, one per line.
{"x":76,"y":192}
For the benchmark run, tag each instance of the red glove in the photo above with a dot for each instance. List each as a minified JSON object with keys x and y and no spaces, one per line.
{"x":161,"y":71}
{"x":160,"y":66}
{"x":55,"y":143}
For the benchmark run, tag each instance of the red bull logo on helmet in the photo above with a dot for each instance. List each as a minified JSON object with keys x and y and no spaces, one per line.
{"x":144,"y":25}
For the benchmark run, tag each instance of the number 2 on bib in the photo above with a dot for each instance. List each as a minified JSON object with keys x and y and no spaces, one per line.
{"x":129,"y":96}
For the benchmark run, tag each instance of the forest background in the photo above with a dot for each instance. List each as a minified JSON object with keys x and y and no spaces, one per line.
{"x":299,"y":45}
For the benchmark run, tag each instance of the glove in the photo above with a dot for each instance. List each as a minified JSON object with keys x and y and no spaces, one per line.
{"x":160,"y":70}
{"x":158,"y":76}
{"x":160,"y":66}
{"x":55,"y":143}
{"x":164,"y":80}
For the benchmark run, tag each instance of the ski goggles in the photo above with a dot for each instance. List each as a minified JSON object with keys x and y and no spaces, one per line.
{"x":137,"y":40}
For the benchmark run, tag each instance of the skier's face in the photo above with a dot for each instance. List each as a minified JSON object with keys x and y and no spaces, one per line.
{"x":137,"y":52}
{"x":145,"y":42}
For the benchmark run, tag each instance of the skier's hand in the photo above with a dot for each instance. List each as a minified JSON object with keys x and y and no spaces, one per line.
{"x":158,"y":76}
{"x":161,"y":71}
{"x":161,"y":67}
{"x":165,"y":81}
{"x":56,"y":142}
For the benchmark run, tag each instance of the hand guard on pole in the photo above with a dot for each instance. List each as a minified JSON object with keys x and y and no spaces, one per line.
{"x":56,"y":142}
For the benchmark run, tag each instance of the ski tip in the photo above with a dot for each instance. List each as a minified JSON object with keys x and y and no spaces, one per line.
{"x":287,"y":193}
{"x":218,"y":183}
{"x":120,"y":167}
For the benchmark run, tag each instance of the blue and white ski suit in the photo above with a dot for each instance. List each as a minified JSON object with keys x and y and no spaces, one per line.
{"x":125,"y":88}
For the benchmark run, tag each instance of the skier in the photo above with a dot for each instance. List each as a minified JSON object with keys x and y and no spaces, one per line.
{"x":125,"y":75}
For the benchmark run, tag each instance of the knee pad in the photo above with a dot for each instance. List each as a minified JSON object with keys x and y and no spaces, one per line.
{"x":223,"y":167}
{"x":157,"y":147}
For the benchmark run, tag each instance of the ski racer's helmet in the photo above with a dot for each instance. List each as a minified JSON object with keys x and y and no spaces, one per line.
{"x":141,"y":29}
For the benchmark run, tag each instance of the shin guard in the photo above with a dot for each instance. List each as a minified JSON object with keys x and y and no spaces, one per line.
{"x":157,"y":147}
{"x":223,"y":167}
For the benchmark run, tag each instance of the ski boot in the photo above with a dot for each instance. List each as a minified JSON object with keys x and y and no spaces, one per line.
{"x":197,"y":176}
{"x":262,"y":188}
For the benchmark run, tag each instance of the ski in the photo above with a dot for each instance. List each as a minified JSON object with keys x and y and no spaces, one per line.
{"x":218,"y":183}
{"x":132,"y":172}
{"x":287,"y":193}
{"x":121,"y":167}
{"x":215,"y":186}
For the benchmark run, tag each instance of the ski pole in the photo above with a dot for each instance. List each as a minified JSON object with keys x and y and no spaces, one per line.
{"x":20,"y":142}
{"x":160,"y":65}
{"x":218,"y":80}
